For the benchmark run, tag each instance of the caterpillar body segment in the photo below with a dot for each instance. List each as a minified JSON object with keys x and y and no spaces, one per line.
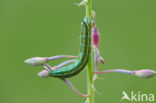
{"x":85,"y":50}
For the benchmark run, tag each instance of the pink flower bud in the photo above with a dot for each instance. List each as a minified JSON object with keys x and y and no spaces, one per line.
{"x":36,"y":61}
{"x":43,"y":74}
{"x":95,"y":36}
{"x":144,"y":73}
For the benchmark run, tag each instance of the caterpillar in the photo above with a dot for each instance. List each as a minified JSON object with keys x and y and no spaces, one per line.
{"x":83,"y":58}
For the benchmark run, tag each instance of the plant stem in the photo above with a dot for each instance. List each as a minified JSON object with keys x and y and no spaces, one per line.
{"x":90,"y":80}
{"x":90,"y":63}
{"x":88,"y":9}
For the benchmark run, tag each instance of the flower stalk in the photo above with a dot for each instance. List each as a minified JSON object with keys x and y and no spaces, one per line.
{"x":90,"y":74}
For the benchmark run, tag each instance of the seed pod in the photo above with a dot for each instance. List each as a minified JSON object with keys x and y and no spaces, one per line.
{"x":36,"y":61}
{"x":146,"y":73}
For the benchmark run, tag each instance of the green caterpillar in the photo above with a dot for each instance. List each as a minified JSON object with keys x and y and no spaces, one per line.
{"x":85,"y":50}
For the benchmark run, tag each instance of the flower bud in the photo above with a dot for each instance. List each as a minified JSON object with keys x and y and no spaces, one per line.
{"x":101,"y":60}
{"x":43,"y":74}
{"x":144,"y":73}
{"x":36,"y":61}
{"x":95,"y":36}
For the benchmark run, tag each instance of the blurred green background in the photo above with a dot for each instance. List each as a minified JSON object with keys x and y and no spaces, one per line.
{"x":30,"y":28}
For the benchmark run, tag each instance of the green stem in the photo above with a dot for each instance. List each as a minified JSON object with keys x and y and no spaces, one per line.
{"x":90,"y":63}
{"x":90,"y":80}
{"x":88,"y":9}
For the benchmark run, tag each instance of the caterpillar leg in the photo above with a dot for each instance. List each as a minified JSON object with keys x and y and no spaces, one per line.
{"x":70,"y":84}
